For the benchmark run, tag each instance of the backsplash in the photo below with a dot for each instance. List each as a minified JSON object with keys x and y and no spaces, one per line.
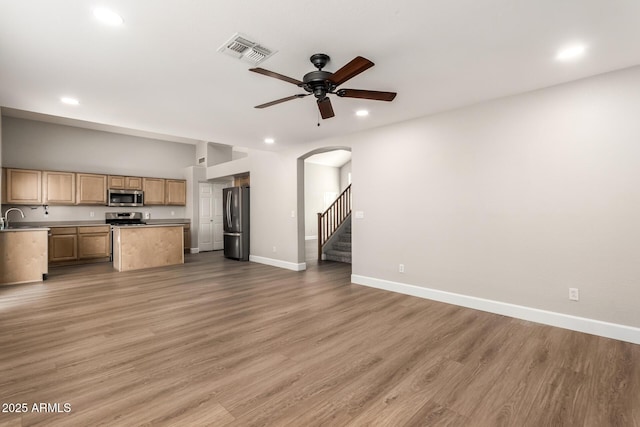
{"x":83,"y":213}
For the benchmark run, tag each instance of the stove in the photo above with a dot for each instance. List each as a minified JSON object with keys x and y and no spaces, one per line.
{"x":124,"y":218}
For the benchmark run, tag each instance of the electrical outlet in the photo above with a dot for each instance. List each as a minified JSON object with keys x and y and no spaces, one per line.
{"x":574,"y":294}
{"x":274,"y":249}
{"x":293,"y":214}
{"x":173,"y":213}
{"x":147,"y":215}
{"x":92,"y":214}
{"x":401,"y":268}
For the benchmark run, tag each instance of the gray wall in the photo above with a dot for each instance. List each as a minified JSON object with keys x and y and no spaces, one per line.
{"x":345,"y":170}
{"x":1,"y":187}
{"x":514,"y":200}
{"x":38,"y":145}
{"x":318,"y":180}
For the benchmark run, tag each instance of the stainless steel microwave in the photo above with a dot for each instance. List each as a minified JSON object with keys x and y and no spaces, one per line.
{"x":126,"y":198}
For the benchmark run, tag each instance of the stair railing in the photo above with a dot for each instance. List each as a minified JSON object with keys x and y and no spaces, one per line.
{"x":331,"y":219}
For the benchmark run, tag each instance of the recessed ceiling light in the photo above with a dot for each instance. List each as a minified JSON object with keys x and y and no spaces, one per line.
{"x":571,"y":52}
{"x":362,"y":113}
{"x":107,"y":16}
{"x":269,"y":140}
{"x":69,"y":101}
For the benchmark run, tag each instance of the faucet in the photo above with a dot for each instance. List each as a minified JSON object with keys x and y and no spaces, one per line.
{"x":6,"y":215}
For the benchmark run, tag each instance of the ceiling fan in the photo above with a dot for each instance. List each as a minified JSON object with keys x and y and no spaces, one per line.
{"x":321,"y":83}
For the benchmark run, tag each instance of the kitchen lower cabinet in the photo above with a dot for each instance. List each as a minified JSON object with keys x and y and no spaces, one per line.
{"x":94,"y":242}
{"x":77,"y":245}
{"x":147,"y":246}
{"x":63,"y":244}
{"x":187,"y":238}
{"x":23,"y":256}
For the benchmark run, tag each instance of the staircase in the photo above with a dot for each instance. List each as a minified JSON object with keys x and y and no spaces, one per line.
{"x":340,"y":245}
{"x":334,"y":229}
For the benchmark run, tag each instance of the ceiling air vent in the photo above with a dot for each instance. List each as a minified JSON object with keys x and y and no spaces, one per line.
{"x":241,"y":47}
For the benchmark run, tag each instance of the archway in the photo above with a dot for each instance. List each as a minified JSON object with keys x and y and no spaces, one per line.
{"x":310,"y":199}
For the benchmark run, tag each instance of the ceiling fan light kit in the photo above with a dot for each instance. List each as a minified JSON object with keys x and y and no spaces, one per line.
{"x":321,"y":83}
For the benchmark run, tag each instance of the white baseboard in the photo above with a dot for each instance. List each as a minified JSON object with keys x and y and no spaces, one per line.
{"x":194,"y":250}
{"x":278,"y":263}
{"x":574,"y":323}
{"x":310,"y":237}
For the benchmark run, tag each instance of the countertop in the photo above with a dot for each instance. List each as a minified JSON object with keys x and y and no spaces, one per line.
{"x":167,"y":221}
{"x":25,"y":228}
{"x":78,"y":223}
{"x":148,"y":225}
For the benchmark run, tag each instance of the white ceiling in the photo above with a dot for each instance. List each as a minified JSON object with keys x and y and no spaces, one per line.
{"x":160,"y":71}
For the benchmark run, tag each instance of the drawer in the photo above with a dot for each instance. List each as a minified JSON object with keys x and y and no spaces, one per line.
{"x":63,"y":230}
{"x":94,"y":229}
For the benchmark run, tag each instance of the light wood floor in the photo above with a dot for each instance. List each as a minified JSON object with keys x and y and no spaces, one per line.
{"x":219,"y":342}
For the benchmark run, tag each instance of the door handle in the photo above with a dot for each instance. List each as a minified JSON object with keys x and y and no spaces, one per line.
{"x":229,"y":210}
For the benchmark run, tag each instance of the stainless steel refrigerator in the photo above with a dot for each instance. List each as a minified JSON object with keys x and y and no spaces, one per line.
{"x":236,"y":222}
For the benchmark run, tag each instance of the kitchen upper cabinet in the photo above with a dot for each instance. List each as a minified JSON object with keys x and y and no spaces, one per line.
{"x":94,"y":242}
{"x":91,"y":189}
{"x":153,"y":191}
{"x":58,"y":188}
{"x":175,"y":192}
{"x":116,"y":182}
{"x":159,"y":191}
{"x":63,"y":244}
{"x":125,"y":182}
{"x":22,"y":187}
{"x":241,"y":180}
{"x":133,"y":183}
{"x":33,"y":187}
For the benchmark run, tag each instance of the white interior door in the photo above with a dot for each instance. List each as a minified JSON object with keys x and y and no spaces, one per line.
{"x":218,"y":218}
{"x":205,"y":229}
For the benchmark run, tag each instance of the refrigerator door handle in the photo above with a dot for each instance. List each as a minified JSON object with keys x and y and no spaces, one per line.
{"x":229,"y":209}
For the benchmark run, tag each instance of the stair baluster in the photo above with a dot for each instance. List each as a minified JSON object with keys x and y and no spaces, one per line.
{"x":330,"y":220}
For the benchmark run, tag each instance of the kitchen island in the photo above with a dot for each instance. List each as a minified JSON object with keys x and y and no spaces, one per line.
{"x":144,"y":246}
{"x":23,"y":255}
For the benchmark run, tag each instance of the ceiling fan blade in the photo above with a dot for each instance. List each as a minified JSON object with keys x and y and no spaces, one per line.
{"x":326,"y":110}
{"x":278,"y":101}
{"x":352,"y":69}
{"x":366,"y":94}
{"x":276,"y":76}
